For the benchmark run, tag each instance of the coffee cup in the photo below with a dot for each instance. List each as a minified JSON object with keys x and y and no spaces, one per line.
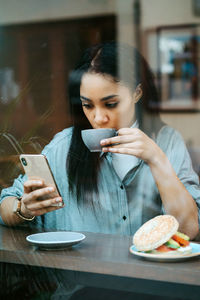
{"x":92,"y":137}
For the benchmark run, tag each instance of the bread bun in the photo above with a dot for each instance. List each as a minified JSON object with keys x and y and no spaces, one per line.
{"x":155,"y":232}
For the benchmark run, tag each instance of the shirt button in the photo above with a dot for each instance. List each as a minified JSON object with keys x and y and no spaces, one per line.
{"x":121,"y":187}
{"x":124,"y":217}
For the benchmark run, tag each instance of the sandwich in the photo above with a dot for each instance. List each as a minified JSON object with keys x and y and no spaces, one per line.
{"x":160,"y":235}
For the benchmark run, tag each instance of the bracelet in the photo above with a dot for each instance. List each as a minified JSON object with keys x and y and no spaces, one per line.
{"x":17,"y":210}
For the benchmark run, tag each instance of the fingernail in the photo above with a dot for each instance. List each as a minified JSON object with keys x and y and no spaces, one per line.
{"x":103,"y":142}
{"x":58,"y":199}
{"x":50,"y":189}
{"x":39,"y":182}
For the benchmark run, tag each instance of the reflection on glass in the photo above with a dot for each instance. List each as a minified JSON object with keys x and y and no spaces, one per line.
{"x":34,"y":67}
{"x":179,"y":66}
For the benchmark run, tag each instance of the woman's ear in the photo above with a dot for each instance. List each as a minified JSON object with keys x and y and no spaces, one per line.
{"x":137,"y":93}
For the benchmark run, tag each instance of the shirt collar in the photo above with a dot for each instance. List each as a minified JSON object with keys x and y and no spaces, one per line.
{"x":135,"y":124}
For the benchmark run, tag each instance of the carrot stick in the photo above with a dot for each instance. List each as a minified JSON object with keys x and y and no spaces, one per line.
{"x":181,"y":241}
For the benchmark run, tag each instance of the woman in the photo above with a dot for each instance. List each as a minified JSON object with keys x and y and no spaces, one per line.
{"x":146,"y":172}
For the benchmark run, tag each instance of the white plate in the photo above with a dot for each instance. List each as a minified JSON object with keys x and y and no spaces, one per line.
{"x":164,"y":258}
{"x":55,"y":240}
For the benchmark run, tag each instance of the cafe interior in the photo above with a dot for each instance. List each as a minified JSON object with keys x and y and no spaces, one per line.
{"x":40,"y":44}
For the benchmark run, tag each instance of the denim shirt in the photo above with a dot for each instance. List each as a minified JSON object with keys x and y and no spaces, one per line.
{"x":120,"y":207}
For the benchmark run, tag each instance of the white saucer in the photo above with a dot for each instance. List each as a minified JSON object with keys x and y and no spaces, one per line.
{"x":55,"y":240}
{"x":165,"y":258}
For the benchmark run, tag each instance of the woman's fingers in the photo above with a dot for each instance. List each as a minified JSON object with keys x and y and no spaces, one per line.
{"x":38,"y":198}
{"x":29,"y":185}
{"x":38,"y":193}
{"x":124,"y":149}
{"x":44,"y":205}
{"x":131,"y":141}
{"x":39,"y":207}
{"x":118,"y":140}
{"x":125,"y":135}
{"x":45,"y":210}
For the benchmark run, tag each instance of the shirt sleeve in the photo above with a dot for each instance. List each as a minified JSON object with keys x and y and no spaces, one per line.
{"x":182,"y":164}
{"x":16,"y":190}
{"x":56,"y":152}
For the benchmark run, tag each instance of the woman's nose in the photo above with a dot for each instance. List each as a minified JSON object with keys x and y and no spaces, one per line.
{"x":100,"y":117}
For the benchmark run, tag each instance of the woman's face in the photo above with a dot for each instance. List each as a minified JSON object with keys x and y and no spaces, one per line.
{"x":106,"y":104}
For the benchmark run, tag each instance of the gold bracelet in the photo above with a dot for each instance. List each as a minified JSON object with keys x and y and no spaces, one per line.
{"x":17,"y":210}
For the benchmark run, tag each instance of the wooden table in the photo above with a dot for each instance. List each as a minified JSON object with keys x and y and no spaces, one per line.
{"x":103,"y":260}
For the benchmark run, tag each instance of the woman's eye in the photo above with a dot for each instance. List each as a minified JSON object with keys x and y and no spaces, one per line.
{"x":86,"y":105}
{"x":111,"y":105}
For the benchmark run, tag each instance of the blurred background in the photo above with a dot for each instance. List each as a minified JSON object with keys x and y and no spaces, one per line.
{"x":41,"y":41}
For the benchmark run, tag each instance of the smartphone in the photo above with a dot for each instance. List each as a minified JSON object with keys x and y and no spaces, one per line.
{"x":36,"y":165}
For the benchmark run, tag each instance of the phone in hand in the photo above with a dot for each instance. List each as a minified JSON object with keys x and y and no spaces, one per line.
{"x":37,"y":166}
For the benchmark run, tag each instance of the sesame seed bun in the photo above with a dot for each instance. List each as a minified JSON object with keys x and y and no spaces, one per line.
{"x":155,"y":232}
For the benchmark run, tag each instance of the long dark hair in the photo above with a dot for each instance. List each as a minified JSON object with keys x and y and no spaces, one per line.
{"x":82,"y":165}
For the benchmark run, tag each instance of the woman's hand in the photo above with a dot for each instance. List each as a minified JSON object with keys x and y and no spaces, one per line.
{"x":135,"y":142}
{"x":32,"y":205}
{"x":175,"y":198}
